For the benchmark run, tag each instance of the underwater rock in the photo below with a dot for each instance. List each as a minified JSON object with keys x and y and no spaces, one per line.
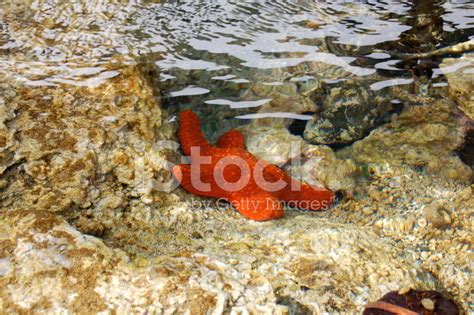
{"x":317,"y":165}
{"x":69,"y":147}
{"x":398,"y":202}
{"x":288,"y":89}
{"x":425,"y":135}
{"x":460,"y":75}
{"x":48,"y":266}
{"x":345,"y":112}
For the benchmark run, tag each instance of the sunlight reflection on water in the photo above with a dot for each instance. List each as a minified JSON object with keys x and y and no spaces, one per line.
{"x":213,"y":50}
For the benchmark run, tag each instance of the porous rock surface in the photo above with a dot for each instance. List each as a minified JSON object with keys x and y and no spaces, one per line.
{"x":460,"y":75}
{"x":47,"y":265}
{"x":425,"y":135}
{"x":65,"y":147}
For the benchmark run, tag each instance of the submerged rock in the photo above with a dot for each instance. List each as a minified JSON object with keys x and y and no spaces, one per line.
{"x":167,"y":251}
{"x":460,"y":75}
{"x":48,"y":266}
{"x":425,"y":213}
{"x":345,"y":112}
{"x":317,"y":165}
{"x":425,"y":135}
{"x":91,"y":154}
{"x":70,"y":147}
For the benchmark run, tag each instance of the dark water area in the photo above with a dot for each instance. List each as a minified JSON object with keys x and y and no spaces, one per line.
{"x":230,"y":59}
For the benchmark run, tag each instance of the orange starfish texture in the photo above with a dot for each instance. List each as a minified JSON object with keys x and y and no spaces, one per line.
{"x":257,"y":189}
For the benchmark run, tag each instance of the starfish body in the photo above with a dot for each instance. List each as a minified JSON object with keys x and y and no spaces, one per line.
{"x":257,"y":189}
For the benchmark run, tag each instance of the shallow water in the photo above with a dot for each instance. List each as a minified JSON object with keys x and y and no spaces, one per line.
{"x":99,"y":157}
{"x":213,"y":54}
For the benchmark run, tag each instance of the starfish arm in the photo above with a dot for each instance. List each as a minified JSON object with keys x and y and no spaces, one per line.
{"x":189,"y":133}
{"x":307,"y":197}
{"x":258,"y":207}
{"x":231,"y":139}
{"x":183,"y":173}
{"x":272,"y":173}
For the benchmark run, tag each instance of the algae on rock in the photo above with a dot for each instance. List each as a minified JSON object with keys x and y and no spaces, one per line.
{"x":47,"y":265}
{"x":460,"y":75}
{"x":424,"y":135}
{"x":71,"y":147}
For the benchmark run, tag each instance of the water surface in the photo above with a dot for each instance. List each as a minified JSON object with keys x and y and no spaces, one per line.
{"x":212,"y":55}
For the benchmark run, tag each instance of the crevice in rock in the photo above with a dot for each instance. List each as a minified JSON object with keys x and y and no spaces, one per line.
{"x":297,"y":127}
{"x":294,"y":307}
{"x":466,"y":153}
{"x":9,"y":171}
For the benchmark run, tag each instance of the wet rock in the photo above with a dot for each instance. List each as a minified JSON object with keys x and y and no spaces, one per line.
{"x":46,"y":265}
{"x":346,"y":112}
{"x":403,"y":193}
{"x":460,"y":75}
{"x":289,"y":89}
{"x":461,"y":83}
{"x":315,"y":164}
{"x":322,"y":279}
{"x":424,"y":136}
{"x":70,"y":147}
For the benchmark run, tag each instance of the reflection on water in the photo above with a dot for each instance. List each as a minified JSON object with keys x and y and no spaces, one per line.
{"x":230,"y":53}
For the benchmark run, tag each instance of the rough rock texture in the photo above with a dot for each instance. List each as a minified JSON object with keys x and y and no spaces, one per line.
{"x":46,"y":265}
{"x":315,"y":164}
{"x":65,"y":147}
{"x":428,"y":215}
{"x":413,"y":189}
{"x":460,"y":75}
{"x":346,"y":112}
{"x":425,"y":135}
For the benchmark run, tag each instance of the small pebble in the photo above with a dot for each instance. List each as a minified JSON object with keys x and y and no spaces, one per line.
{"x":367,"y":210}
{"x":404,"y":290}
{"x":428,"y":304}
{"x":436,"y":214}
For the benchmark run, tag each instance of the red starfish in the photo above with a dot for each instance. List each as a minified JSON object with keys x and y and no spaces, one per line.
{"x":255,"y":187}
